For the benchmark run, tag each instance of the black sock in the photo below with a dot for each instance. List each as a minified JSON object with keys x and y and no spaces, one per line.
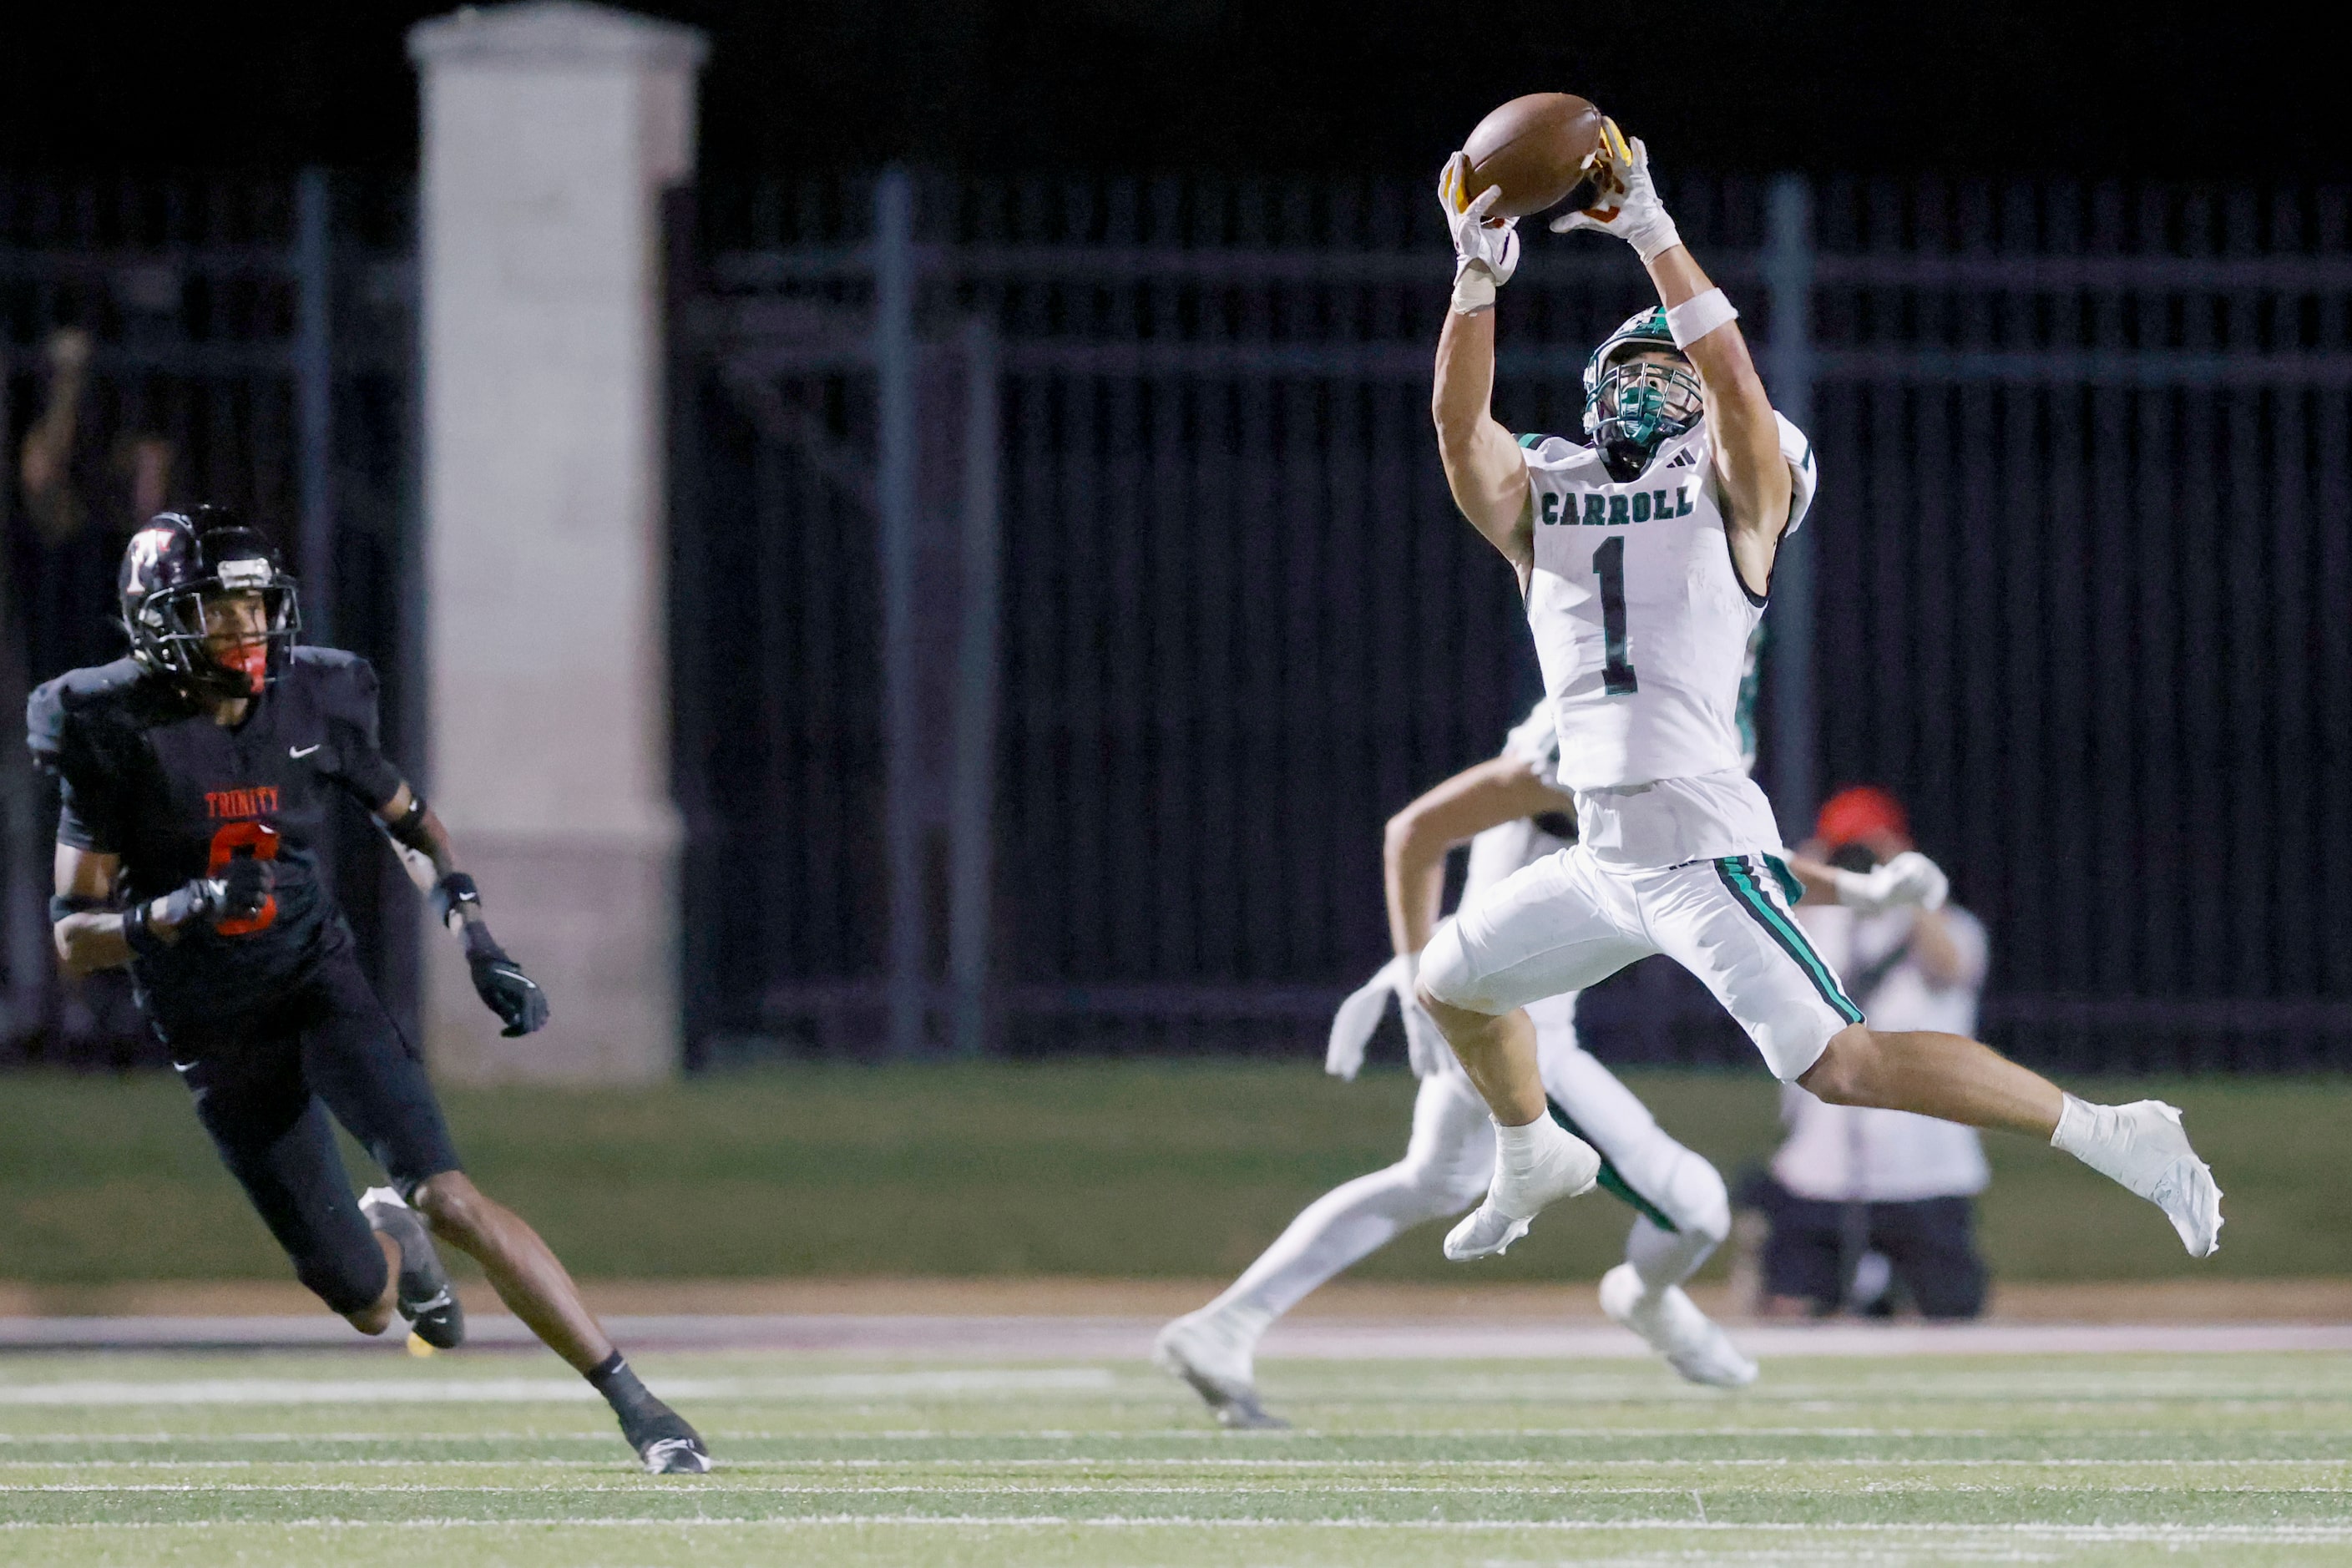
{"x":622,"y":1388}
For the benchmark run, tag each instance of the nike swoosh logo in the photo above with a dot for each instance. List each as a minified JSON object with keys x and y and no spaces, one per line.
{"x":304,"y":750}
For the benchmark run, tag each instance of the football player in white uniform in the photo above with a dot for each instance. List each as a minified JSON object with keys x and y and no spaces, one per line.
{"x":1512,"y":814}
{"x":1645,"y":559}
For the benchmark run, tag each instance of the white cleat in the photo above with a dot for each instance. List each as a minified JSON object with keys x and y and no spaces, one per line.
{"x":1562,"y":1167}
{"x":2142,"y":1146}
{"x":1692,"y":1343}
{"x":1217,"y":1363}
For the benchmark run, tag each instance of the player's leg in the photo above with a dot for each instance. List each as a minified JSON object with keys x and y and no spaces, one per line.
{"x":276,"y":1139}
{"x":1729,"y":922}
{"x":1551,"y":927}
{"x":1682,"y":1210}
{"x":1444,"y":1170}
{"x":369,"y":1075}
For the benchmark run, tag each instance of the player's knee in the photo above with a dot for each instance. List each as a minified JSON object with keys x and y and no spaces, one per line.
{"x":350,"y":1279}
{"x":1697,"y":1201}
{"x":452,"y":1206}
{"x":1849,"y":1069}
{"x":1446,"y":987}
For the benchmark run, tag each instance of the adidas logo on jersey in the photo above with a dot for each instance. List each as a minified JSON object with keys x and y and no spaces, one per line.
{"x":1597,"y":510}
{"x":1681,"y":459}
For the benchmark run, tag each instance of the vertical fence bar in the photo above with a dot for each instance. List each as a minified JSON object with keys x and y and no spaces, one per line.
{"x":25,"y":862}
{"x":1788,"y":277}
{"x":895,"y":369}
{"x":314,"y":397}
{"x":971,"y":812}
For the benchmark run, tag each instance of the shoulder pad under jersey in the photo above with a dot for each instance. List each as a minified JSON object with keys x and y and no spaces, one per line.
{"x":346,"y":682}
{"x":77,"y":696}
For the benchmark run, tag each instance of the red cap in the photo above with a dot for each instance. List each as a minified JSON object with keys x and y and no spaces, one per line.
{"x":1860,"y":812}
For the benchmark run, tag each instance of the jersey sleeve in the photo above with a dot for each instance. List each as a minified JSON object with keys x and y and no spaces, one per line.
{"x":90,"y":808}
{"x":352,"y":723}
{"x":1798,"y":449}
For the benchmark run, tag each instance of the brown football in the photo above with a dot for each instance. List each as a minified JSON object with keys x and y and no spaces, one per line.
{"x":1534,"y":148}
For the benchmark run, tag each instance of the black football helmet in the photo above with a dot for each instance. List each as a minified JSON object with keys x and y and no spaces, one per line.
{"x":170,"y":568}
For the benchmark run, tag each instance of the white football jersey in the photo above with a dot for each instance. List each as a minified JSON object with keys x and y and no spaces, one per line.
{"x":1640,"y":622}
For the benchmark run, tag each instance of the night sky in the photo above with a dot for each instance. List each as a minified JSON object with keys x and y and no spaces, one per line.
{"x":1998,"y":86}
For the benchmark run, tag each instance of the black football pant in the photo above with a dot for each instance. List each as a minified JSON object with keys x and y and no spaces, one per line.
{"x":264,"y":1084}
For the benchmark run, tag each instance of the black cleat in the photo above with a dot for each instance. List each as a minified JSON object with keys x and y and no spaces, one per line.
{"x":425,"y":1299}
{"x":664,"y":1443}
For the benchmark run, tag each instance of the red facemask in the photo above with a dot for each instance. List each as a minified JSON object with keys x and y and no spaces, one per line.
{"x":250,"y":659}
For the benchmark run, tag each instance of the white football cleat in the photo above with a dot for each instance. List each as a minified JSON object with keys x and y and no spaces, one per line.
{"x":2142,"y":1146}
{"x":1208,"y":1354}
{"x":1561,"y":1166}
{"x":1692,"y":1343}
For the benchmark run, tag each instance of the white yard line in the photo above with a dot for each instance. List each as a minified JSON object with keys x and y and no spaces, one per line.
{"x":543,"y":1390}
{"x":2070,"y":1535}
{"x":1029,"y":1338}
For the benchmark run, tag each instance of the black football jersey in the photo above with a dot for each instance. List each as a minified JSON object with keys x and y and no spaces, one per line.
{"x":145,"y":774}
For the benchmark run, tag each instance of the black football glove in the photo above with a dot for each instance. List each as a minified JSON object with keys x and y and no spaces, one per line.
{"x":238,"y":893}
{"x":244,"y":885}
{"x":502,"y":985}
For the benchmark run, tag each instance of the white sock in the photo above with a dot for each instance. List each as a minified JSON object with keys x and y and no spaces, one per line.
{"x":1521,"y":1149}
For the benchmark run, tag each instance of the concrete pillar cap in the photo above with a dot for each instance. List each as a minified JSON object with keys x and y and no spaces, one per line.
{"x":556,"y":32}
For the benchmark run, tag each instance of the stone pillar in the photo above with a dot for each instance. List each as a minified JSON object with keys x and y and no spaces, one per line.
{"x":551,"y":130}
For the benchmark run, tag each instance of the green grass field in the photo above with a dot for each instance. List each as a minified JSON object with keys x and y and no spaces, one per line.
{"x":358,"y":1460}
{"x":1133,"y":1169}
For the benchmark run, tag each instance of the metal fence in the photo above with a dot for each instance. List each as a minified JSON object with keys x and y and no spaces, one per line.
{"x":163,"y":341}
{"x":1065,"y":589}
{"x":1089,"y":742}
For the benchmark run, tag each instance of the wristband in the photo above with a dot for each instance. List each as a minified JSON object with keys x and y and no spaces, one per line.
{"x":1698,"y":316}
{"x":451,"y":894}
{"x":137,"y":934}
{"x":409,"y":831}
{"x":1474,"y":289}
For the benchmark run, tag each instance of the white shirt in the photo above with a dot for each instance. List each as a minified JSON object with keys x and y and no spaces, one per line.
{"x":1643,"y":627}
{"x":1844,"y":1153}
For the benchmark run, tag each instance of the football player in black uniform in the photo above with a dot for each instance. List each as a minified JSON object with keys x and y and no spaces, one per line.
{"x":196,"y":778}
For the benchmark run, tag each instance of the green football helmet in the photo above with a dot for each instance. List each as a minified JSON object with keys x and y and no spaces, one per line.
{"x":1631,"y":407}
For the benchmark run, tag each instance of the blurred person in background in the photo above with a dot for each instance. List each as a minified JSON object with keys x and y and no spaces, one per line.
{"x":197,"y":777}
{"x":1869,"y":1208}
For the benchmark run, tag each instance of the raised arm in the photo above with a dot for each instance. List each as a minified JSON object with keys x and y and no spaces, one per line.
{"x":1413,"y":849}
{"x":1754,"y":476}
{"x":1483,"y":465}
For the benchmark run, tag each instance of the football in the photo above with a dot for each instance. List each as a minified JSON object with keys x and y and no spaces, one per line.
{"x":1534,"y":148}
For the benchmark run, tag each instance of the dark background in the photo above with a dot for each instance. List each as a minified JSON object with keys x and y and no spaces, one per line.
{"x":1273,"y":86}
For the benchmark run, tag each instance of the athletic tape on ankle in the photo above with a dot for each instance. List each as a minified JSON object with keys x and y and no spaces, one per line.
{"x":1695,"y":317}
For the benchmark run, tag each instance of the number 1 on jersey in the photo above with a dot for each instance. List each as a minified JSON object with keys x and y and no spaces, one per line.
{"x":1616,"y":669}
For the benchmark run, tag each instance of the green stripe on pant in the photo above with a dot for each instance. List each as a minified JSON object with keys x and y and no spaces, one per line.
{"x":1740,"y":877}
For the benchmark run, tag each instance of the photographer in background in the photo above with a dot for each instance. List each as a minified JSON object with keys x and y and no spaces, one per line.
{"x":1867,"y":1207}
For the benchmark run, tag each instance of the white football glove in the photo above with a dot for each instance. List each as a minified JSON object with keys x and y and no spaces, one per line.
{"x":1485,"y":254}
{"x":1628,"y":205}
{"x":1910,"y":879}
{"x":1360,"y":1014}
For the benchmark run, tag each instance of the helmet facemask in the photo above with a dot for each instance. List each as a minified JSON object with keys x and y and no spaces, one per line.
{"x":171,"y":635}
{"x":1638,"y":404}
